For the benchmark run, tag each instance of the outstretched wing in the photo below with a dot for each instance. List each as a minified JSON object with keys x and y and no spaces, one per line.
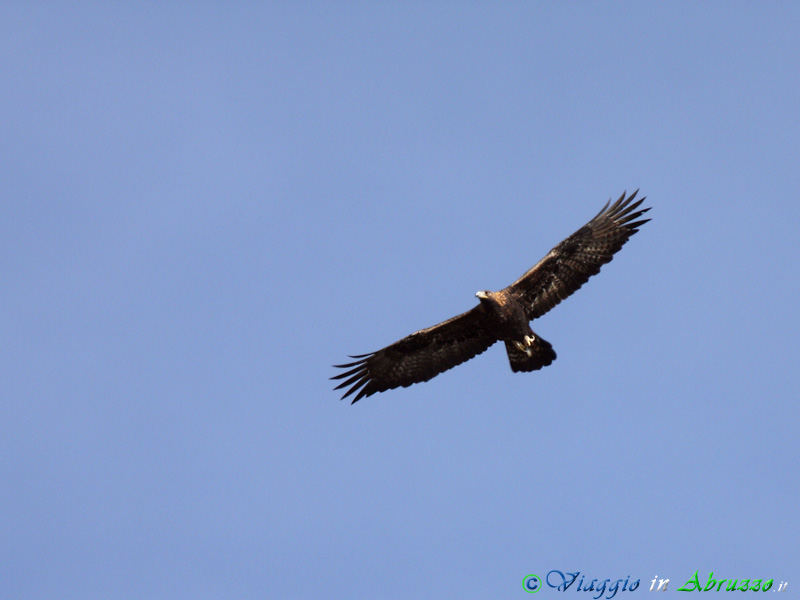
{"x":417,"y":357}
{"x":570,"y":264}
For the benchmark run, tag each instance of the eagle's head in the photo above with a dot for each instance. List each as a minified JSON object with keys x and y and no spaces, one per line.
{"x":487,"y":297}
{"x":494,"y":300}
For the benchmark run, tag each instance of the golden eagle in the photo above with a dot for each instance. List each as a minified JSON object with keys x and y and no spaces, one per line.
{"x":502,"y":315}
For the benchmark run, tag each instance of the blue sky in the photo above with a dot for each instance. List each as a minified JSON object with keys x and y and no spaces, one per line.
{"x":206,"y":205}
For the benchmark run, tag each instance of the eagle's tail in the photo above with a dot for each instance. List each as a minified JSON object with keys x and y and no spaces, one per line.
{"x":542,"y":354}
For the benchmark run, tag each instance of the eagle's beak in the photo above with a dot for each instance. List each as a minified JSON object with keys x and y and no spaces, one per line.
{"x":482,"y":295}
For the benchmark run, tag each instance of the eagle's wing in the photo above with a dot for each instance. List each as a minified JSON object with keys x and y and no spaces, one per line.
{"x":417,"y":357}
{"x":570,"y":264}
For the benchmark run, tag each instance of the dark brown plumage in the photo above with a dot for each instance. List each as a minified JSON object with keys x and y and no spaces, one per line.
{"x":502,"y":315}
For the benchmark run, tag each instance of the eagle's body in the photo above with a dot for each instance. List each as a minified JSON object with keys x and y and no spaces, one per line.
{"x":503,"y":315}
{"x":507,"y":321}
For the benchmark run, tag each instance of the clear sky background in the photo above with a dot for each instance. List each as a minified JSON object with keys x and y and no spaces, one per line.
{"x":206,"y":205}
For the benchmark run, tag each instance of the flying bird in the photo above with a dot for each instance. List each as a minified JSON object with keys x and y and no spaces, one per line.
{"x":503,"y":315}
